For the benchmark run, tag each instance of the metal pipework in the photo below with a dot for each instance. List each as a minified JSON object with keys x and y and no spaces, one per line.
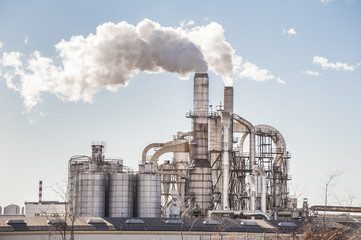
{"x":227,"y":147}
{"x":263,"y":189}
{"x":251,"y":130}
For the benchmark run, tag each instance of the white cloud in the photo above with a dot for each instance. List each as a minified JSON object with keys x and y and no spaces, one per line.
{"x":1,"y":44}
{"x":334,"y":66}
{"x":289,"y":32}
{"x":26,"y":40}
{"x":251,"y":71}
{"x":190,"y":23}
{"x":279,"y":80}
{"x":12,"y":59}
{"x":308,"y":72}
{"x":325,"y":1}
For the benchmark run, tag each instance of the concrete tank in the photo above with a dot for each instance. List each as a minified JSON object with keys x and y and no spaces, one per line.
{"x":120,"y":198}
{"x":12,"y":209}
{"x":148,"y":195}
{"x":90,"y":194}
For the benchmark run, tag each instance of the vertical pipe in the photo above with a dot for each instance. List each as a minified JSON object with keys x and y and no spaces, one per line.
{"x":263,"y":194}
{"x":40,"y":192}
{"x":227,"y":147}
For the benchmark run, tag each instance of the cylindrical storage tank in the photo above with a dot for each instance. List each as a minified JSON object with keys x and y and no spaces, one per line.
{"x":12,"y":209}
{"x":120,"y":198}
{"x":148,"y":195}
{"x":90,"y":194}
{"x":1,"y":210}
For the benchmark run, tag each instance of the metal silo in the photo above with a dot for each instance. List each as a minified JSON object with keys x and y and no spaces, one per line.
{"x":148,"y":195}
{"x":12,"y":209}
{"x":90,"y":194}
{"x":120,"y":195}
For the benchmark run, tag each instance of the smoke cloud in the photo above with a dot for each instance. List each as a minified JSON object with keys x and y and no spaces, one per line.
{"x":114,"y":54}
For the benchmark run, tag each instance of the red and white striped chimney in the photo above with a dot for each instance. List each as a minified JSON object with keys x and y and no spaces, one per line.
{"x":40,"y":192}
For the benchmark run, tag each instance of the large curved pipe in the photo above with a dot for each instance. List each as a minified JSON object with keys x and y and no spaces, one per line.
{"x":277,"y":138}
{"x":250,"y":128}
{"x":179,"y":147}
{"x":150,"y":146}
{"x":256,"y":213}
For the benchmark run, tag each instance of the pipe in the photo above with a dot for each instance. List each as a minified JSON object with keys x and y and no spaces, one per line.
{"x":150,"y":146}
{"x":147,"y":148}
{"x":262,"y":174}
{"x":257,"y":213}
{"x":227,"y":147}
{"x":178,"y":147}
{"x":336,"y":209}
{"x":251,"y":130}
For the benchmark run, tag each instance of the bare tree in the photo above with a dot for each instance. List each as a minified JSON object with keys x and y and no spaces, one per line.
{"x":64,"y":222}
{"x":329,"y":180}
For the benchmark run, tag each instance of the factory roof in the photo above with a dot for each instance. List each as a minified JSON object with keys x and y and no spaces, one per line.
{"x":30,"y":224}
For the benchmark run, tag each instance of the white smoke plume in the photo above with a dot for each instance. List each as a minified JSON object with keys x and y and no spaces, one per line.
{"x":114,"y":54}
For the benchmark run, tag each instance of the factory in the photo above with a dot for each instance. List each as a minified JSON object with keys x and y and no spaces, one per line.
{"x":223,"y":166}
{"x":226,"y":176}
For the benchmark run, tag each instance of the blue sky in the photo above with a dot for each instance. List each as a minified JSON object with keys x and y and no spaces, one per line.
{"x":303,"y":78}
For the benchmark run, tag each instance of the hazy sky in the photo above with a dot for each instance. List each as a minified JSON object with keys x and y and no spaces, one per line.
{"x":71,"y":72}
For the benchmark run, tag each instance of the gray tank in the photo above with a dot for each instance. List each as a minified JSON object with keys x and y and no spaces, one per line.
{"x":120,"y":195}
{"x":148,"y":195}
{"x":12,"y":209}
{"x":90,"y":194}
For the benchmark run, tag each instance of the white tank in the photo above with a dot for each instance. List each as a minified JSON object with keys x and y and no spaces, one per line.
{"x":120,"y":195}
{"x":148,"y":195}
{"x":90,"y":194}
{"x":12,"y":209}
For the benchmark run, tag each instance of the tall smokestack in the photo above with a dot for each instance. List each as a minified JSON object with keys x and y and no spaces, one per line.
{"x":40,"y":192}
{"x":200,"y":111}
{"x":228,"y":99}
{"x":200,"y":183}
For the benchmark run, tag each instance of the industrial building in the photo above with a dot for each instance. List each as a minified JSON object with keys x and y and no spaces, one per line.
{"x":223,"y":166}
{"x":227,"y":178}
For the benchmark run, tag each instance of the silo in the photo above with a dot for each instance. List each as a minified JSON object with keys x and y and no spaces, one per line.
{"x":1,"y":210}
{"x":90,"y":194}
{"x":148,"y":195}
{"x":12,"y":209}
{"x":120,"y":198}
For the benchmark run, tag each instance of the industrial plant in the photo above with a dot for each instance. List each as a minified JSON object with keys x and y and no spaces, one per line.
{"x":223,"y":166}
{"x":225,"y":176}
